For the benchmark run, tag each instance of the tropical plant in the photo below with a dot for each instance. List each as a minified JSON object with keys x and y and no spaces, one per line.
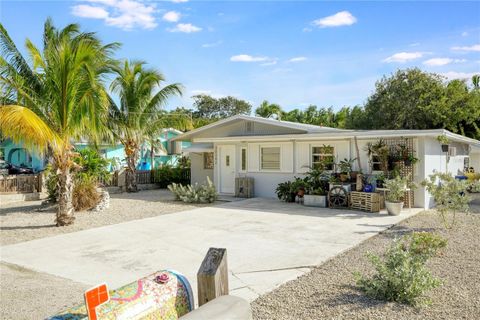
{"x":449,"y":194}
{"x":195,"y":193}
{"x":317,"y":181}
{"x":91,"y":166}
{"x":60,"y":97}
{"x":139,"y":116}
{"x":380,"y":150}
{"x":346,"y":165}
{"x":402,"y":275}
{"x":269,"y":110}
{"x":443,"y":139}
{"x":286,"y":191}
{"x":85,"y":195}
{"x":396,"y":188}
{"x":166,"y":175}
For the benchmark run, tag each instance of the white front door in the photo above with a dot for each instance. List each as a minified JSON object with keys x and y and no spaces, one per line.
{"x":227,"y":168}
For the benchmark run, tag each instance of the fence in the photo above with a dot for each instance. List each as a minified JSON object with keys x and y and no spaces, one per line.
{"x":161,"y":176}
{"x":22,"y":183}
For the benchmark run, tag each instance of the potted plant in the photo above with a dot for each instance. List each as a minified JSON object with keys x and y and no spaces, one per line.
{"x":410,"y":161}
{"x":380,"y":179}
{"x":345,"y":169}
{"x":381,"y":151}
{"x":316,"y":191}
{"x":396,"y":191}
{"x":298,"y":187}
{"x":285,"y":191}
{"x":444,"y":141}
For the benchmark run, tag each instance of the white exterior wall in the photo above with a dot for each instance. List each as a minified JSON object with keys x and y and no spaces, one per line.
{"x":197,"y":171}
{"x":475,"y":161}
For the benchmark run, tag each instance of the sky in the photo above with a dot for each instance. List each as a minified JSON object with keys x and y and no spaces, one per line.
{"x":294,"y":53}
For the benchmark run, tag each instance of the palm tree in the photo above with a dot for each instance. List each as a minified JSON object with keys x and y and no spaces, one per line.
{"x":58,"y":98}
{"x":139,"y":116}
{"x":267,"y":110}
{"x":476,"y":81}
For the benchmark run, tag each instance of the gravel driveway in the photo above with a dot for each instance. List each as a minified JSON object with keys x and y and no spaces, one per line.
{"x":23,"y":221}
{"x":328,"y":291}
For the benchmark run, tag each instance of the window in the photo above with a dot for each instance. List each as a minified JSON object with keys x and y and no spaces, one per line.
{"x":227,"y":161}
{"x":323,"y":157}
{"x":376,"y":163}
{"x":208,"y":160}
{"x":270,"y":158}
{"x":244,"y":160}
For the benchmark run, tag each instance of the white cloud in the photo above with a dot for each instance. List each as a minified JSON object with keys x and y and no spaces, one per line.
{"x":464,"y":34}
{"x":451,"y":75}
{"x":171,"y":16}
{"x":124,"y":14}
{"x":86,"y":11}
{"x":211,"y":45}
{"x":442,"y":61}
{"x":297,"y":59}
{"x":403,"y":57}
{"x":271,"y":63}
{"x":248,"y":58}
{"x":475,"y":47}
{"x":185,"y":27}
{"x":342,"y":18}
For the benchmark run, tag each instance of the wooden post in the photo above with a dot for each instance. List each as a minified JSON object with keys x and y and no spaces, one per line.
{"x":212,"y":277}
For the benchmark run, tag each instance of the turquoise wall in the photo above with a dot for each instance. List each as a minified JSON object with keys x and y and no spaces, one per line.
{"x":18,"y":155}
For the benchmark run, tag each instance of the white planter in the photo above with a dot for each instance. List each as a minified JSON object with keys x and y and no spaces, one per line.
{"x":315,"y":201}
{"x":394,"y":208}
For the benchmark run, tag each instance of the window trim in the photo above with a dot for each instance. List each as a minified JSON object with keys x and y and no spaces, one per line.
{"x":279,"y":159}
{"x":312,"y":154}
{"x":242,"y":164}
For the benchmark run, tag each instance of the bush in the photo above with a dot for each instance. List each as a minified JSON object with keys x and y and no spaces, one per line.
{"x":449,"y":194}
{"x":401,"y":275}
{"x":196,"y":193}
{"x":166,"y":175}
{"x":85,"y":195}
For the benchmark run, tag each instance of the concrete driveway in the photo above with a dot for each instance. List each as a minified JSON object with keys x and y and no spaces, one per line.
{"x":268,"y":243}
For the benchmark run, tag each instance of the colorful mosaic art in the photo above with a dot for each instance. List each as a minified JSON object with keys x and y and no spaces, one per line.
{"x":146,"y":299}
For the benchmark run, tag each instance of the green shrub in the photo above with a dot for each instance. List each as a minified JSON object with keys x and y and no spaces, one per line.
{"x":166,"y":175}
{"x":450,"y":196}
{"x":196,"y":193}
{"x":92,"y":165}
{"x":401,"y":275}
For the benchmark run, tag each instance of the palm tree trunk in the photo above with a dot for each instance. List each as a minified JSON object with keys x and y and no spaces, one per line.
{"x":152,"y":156}
{"x":130,"y":177}
{"x":65,"y":211}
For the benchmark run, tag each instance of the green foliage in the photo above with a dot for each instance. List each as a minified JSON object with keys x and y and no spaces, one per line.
{"x":474,"y":186}
{"x":166,"y":175}
{"x":346,"y":165}
{"x":317,"y":181}
{"x":443,"y":139}
{"x":51,"y":182}
{"x":449,"y":194}
{"x":286,"y":191}
{"x":268,"y":110}
{"x":196,"y":193}
{"x":401,"y":275}
{"x":396,"y":188}
{"x":211,"y":108}
{"x":92,"y":166}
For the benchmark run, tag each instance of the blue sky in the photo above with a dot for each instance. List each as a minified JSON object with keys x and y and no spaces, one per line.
{"x":291,"y":53}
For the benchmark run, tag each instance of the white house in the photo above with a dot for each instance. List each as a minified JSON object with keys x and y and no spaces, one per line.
{"x":272,"y":151}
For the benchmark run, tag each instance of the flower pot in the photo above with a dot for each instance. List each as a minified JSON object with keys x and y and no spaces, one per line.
{"x":407,"y":162}
{"x":344,"y":177}
{"x":301,"y":192}
{"x":291,"y":197}
{"x":315,"y":200}
{"x":444,"y":147}
{"x":367,"y":188}
{"x":394,"y":208}
{"x":353,"y":175}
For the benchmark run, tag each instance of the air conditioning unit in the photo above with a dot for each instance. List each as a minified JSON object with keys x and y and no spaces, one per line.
{"x":452,"y":151}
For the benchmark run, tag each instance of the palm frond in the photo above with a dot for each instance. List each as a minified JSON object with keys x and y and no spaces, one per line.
{"x":22,"y":125}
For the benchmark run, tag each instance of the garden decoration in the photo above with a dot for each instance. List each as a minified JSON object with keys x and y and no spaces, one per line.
{"x":163,"y":295}
{"x":338,"y":197}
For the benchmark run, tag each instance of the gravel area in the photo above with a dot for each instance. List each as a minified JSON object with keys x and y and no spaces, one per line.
{"x":32,"y":295}
{"x":328,"y":291}
{"x":23,"y":221}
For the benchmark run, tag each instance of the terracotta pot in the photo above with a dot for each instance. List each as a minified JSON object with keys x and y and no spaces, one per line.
{"x":344,"y":177}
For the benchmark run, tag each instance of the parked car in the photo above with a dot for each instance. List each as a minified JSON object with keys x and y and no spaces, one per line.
{"x":8,"y":168}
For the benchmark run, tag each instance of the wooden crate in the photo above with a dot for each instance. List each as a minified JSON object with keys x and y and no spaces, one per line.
{"x":366,"y":201}
{"x":244,"y":187}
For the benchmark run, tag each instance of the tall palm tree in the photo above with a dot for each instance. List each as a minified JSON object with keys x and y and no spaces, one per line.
{"x":139,"y":115}
{"x":57,"y":98}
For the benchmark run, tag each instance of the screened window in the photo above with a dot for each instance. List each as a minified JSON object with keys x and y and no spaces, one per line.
{"x":270,"y":158}
{"x":376,"y":163}
{"x":244,"y":159}
{"x":323,"y":157}
{"x":208,"y":160}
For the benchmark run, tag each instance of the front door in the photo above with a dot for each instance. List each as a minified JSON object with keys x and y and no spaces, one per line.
{"x":227,"y":168}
